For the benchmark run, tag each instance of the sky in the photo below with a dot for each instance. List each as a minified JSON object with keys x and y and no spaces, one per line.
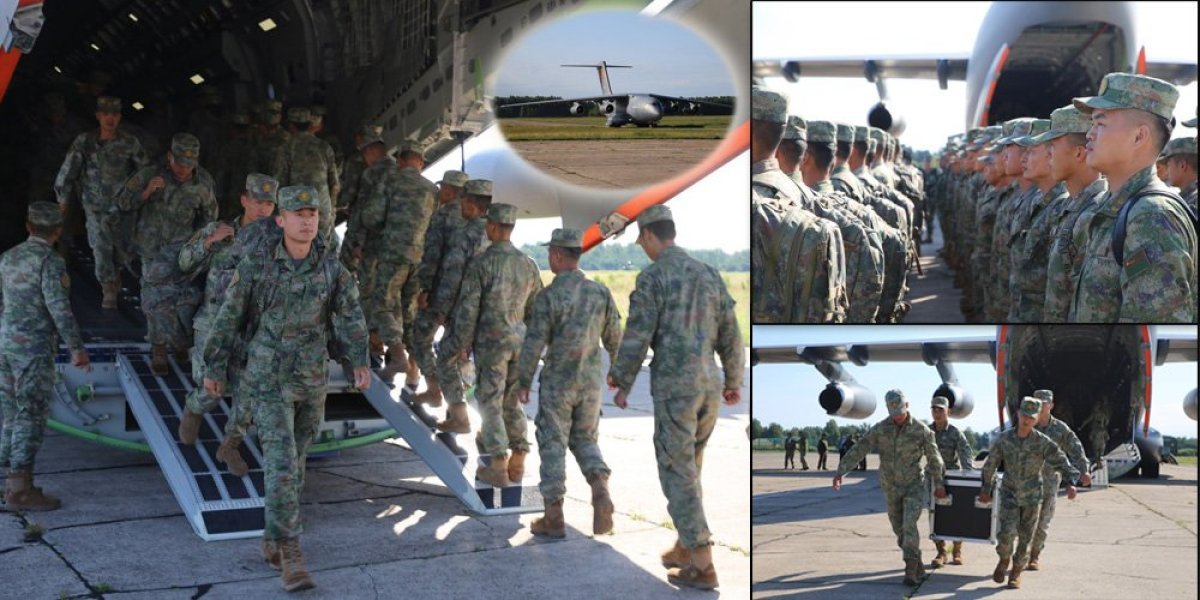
{"x":787,"y":394}
{"x":1166,"y":29}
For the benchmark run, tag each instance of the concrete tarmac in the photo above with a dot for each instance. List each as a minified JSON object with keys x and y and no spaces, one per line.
{"x":1136,"y":538}
{"x":933,"y":295}
{"x":614,"y":164}
{"x":378,"y":524}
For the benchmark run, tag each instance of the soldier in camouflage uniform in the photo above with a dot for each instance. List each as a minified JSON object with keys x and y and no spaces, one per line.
{"x":446,"y":220}
{"x":489,"y":320}
{"x":1024,"y":452}
{"x":318,"y":129}
{"x":305,"y":159}
{"x":1156,"y":280}
{"x":96,"y":166}
{"x":955,"y":452}
{"x":373,"y":153}
{"x":1010,"y":204}
{"x":269,"y":139}
{"x":233,"y":166}
{"x":572,"y":317}
{"x":216,"y":251}
{"x":171,"y":201}
{"x":1181,"y":168}
{"x":1068,"y":442}
{"x":353,"y":166}
{"x":35,"y":313}
{"x":1030,"y":246}
{"x":681,"y":309}
{"x":293,"y":298}
{"x":901,"y":441}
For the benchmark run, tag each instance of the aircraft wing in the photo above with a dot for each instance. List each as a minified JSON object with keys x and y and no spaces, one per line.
{"x":673,"y":100}
{"x":612,"y":98}
{"x":805,"y":344}
{"x":1176,"y":73}
{"x":942,"y":68}
{"x":1175,"y":344}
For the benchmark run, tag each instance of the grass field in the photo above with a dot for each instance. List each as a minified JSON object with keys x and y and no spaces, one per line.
{"x":683,"y":127}
{"x":621,"y":283}
{"x":1186,"y":460}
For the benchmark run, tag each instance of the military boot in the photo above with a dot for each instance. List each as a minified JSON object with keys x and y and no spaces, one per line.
{"x":910,"y":571}
{"x":189,"y":427}
{"x":1033,"y":565}
{"x":920,"y":570}
{"x":550,"y":524}
{"x":270,"y":553}
{"x":110,"y":289}
{"x":496,"y":473}
{"x":602,"y":505}
{"x":21,"y":495}
{"x":184,"y":359}
{"x":456,"y":419}
{"x":1001,"y":567}
{"x":396,"y":363}
{"x":699,"y":573}
{"x":412,"y":376}
{"x":292,"y":574}
{"x":158,"y":360}
{"x":228,"y":453}
{"x":958,"y":560}
{"x":678,"y":556}
{"x":432,"y":394}
{"x":1014,"y":579}
{"x":516,"y":466}
{"x":940,"y":559}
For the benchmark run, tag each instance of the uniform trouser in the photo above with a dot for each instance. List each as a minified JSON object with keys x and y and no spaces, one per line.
{"x":102,"y":228}
{"x":904,"y":506}
{"x":394,"y":301}
{"x":25,"y":390}
{"x":1016,"y":522}
{"x":199,"y":402}
{"x":169,"y":305}
{"x":803,"y":463}
{"x":567,"y":419}
{"x":789,"y":458}
{"x":682,"y":426}
{"x":1049,"y":499}
{"x":503,"y":420}
{"x":421,"y":349}
{"x":449,"y":371}
{"x":288,"y":421}
{"x":821,"y":460}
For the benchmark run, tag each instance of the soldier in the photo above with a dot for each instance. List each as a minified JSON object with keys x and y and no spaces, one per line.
{"x":233,"y":166}
{"x":466,"y":243}
{"x":1032,"y":241}
{"x":1024,"y":452}
{"x":768,"y":123}
{"x":1148,"y":276}
{"x":269,"y":139}
{"x":35,"y":313}
{"x":953,"y":447}
{"x":294,"y":296}
{"x":445,"y":221}
{"x":822,"y":452}
{"x":900,"y":475}
{"x":1180,"y":154}
{"x":305,"y":159}
{"x":1010,"y":204}
{"x":802,"y":448}
{"x":1068,"y":442}
{"x":352,"y":170}
{"x":171,"y":201}
{"x":373,"y":153}
{"x":573,"y":316}
{"x":1067,"y":141}
{"x":680,"y":308}
{"x":96,"y":166}
{"x":317,"y":126}
{"x":216,"y":250}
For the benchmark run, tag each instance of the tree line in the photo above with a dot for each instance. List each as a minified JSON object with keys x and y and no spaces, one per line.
{"x":833,"y":434}
{"x":564,"y":109}
{"x":629,"y":257}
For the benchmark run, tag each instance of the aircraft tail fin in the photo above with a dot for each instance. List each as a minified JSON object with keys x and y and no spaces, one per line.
{"x":602,"y":70}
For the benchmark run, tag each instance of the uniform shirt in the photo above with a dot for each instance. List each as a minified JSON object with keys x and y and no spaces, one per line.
{"x":465,"y":244}
{"x":1157,"y":282}
{"x":97,"y":169}
{"x":445,"y":221}
{"x":370,"y":177}
{"x":953,"y":447}
{"x":681,"y":309}
{"x":845,"y":182}
{"x":396,"y":214}
{"x":768,"y":181}
{"x":573,"y":316}
{"x":170,"y":214}
{"x":1067,"y":441}
{"x":220,"y":262}
{"x":1024,"y":459}
{"x":265,"y":150}
{"x":1064,"y":257}
{"x":900,"y":450}
{"x":1188,"y":193}
{"x":1032,"y":256}
{"x":495,"y":301}
{"x":305,"y":159}
{"x":35,"y":303}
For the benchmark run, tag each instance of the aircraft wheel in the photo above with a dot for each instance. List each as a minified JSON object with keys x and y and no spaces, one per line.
{"x":1150,"y":471}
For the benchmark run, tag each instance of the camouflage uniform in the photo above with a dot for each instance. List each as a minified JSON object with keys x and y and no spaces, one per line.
{"x":234,"y":167}
{"x":572,"y":316}
{"x":165,"y":220}
{"x":96,"y":169}
{"x":900,"y":450}
{"x":1068,"y":442}
{"x":1185,"y":148}
{"x":35,"y":313}
{"x":446,"y":220}
{"x":269,"y":139}
{"x":1065,"y":258}
{"x":305,"y":159}
{"x":496,"y":300}
{"x":292,"y":309}
{"x":684,"y":380}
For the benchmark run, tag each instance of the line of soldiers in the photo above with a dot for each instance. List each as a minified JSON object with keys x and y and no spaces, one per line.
{"x":1065,"y":219}
{"x":1036,"y":455}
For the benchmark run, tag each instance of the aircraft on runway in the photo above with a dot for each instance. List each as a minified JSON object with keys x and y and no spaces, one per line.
{"x":643,"y":110}
{"x":1029,"y":59}
{"x":1100,"y":375}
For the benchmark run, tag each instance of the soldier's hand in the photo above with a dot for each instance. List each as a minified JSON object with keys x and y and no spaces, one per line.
{"x":1071,"y":492}
{"x":523,"y":396}
{"x":212,"y":387}
{"x":156,"y":183}
{"x":732,"y":397}
{"x":939,"y":492}
{"x":423,"y":300}
{"x":621,"y":400}
{"x":612,"y":384}
{"x":1086,"y":480}
{"x":985,"y":498}
{"x":362,"y":378}
{"x":223,"y":231}
{"x":837,"y":483}
{"x":81,"y":360}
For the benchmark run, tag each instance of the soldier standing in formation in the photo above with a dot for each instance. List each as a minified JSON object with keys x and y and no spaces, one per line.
{"x":685,"y":383}
{"x":956,"y":452}
{"x":1180,"y":155}
{"x":1068,"y":442}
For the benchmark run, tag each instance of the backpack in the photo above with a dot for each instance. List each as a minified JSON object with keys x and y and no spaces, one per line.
{"x":1118,"y":238}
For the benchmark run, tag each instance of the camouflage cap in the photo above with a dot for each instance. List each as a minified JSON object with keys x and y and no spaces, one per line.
{"x":298,"y":197}
{"x":895,"y":402}
{"x":272,"y":106}
{"x":1044,"y":395}
{"x":1036,"y":128}
{"x":1185,"y":145}
{"x":822,"y":132}
{"x":795,"y":128}
{"x":1192,"y":121}
{"x":299,"y":114}
{"x":455,"y":178}
{"x":862,"y":133}
{"x":566,"y":238}
{"x":370,"y":136}
{"x":1064,"y":120}
{"x":185,"y":148}
{"x":845,"y":133}
{"x":871,"y":145}
{"x":411,"y":146}
{"x":1123,"y":90}
{"x":479,"y":187}
{"x":876,"y":134}
{"x":655,"y":213}
{"x":940,"y":402}
{"x":504,"y":214}
{"x":1030,"y":407}
{"x":263,"y":188}
{"x":45,"y":214}
{"x":110,"y":104}
{"x":240,"y":118}
{"x":1014,"y":129}
{"x":767,"y":105}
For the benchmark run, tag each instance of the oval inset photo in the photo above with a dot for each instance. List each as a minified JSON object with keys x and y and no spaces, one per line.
{"x":612,"y":99}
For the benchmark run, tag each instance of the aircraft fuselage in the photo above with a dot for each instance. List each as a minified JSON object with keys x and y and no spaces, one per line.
{"x":639,"y":109}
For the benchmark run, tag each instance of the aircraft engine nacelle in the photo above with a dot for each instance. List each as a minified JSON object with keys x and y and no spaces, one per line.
{"x":882,"y":117}
{"x":607,"y":108}
{"x":847,"y":400}
{"x":960,"y":399}
{"x":577,"y":108}
{"x":692,"y":108}
{"x":1189,"y":404}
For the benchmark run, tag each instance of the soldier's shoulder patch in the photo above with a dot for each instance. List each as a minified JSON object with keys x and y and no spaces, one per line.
{"x":66,"y":281}
{"x":1137,"y":263}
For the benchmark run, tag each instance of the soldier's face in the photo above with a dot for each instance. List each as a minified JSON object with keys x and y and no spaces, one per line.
{"x":470,"y":209}
{"x":180,"y":171}
{"x":1037,"y":162}
{"x":1061,"y":157}
{"x":1178,"y":174}
{"x":1013,"y":157}
{"x":108,"y":120}
{"x":446,"y":192}
{"x":256,"y":209}
{"x":1110,"y":138}
{"x":300,"y":225}
{"x":939,"y":415}
{"x":1026,"y":423}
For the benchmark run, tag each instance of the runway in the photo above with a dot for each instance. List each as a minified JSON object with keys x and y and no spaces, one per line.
{"x":614,"y":164}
